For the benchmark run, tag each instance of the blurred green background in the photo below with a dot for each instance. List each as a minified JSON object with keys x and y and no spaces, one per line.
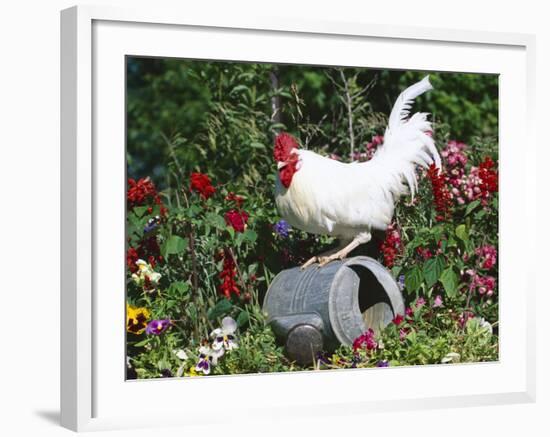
{"x":221,"y":117}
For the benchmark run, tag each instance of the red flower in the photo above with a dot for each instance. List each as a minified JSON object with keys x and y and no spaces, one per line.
{"x":236,"y":219}
{"x":442,"y":196}
{"x":391,"y":246}
{"x":138,"y":192}
{"x":201,"y":184}
{"x":488,"y":176}
{"x":228,"y":275}
{"x":131,"y":258}
{"x":424,"y":252}
{"x":398,"y":319}
{"x":232,"y":197}
{"x":148,"y":249}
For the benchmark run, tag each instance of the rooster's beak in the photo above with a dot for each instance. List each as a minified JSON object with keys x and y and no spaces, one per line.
{"x":280,"y":165}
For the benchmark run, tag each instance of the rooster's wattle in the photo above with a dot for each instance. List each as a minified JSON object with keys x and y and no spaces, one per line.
{"x":349,"y":200}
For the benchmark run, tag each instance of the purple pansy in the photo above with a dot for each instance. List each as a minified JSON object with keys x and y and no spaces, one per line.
{"x":152,"y":223}
{"x":157,"y":327}
{"x":401,"y":282}
{"x":281,"y":228}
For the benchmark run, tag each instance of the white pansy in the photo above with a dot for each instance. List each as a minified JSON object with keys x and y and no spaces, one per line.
{"x":180,"y":371}
{"x":181,"y":354}
{"x":451,"y":357}
{"x":207,"y":358}
{"x":486,"y":325}
{"x":224,"y":338}
{"x":145,"y":271}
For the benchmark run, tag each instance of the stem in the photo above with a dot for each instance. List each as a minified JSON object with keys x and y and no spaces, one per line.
{"x":350,"y":114}
{"x":243,"y":285}
{"x":173,"y":154}
{"x":275,"y":100}
{"x":197,"y":297}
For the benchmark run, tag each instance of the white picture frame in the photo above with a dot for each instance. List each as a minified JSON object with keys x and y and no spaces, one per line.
{"x":94,"y":41}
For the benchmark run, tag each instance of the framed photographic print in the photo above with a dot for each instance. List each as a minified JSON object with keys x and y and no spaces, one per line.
{"x":271,"y":207}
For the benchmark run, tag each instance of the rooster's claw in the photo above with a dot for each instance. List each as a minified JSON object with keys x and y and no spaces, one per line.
{"x":309,"y":262}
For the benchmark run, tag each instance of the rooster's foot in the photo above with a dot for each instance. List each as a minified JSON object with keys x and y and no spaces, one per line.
{"x":361,"y":238}
{"x":309,"y":262}
{"x":323,"y":261}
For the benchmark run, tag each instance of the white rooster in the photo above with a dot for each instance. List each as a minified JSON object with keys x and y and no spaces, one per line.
{"x":348,"y":201}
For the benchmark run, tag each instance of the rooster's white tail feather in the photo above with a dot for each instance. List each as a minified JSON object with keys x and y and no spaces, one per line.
{"x":404,"y":102}
{"x":407,"y":141}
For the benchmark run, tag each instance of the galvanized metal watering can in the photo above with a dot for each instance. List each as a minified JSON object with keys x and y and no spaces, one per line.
{"x":320,"y":308}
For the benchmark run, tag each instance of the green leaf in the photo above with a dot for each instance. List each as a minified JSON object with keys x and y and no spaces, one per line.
{"x":194,"y":210}
{"x":174,"y":245}
{"x":250,"y":235}
{"x":256,"y":145}
{"x":180,"y":287}
{"x":136,"y":221}
{"x":242,"y":319}
{"x":413,"y":279}
{"x":239,"y":88}
{"x":432,"y":270}
{"x":480,"y":214}
{"x":396,"y":270}
{"x":192,"y":312}
{"x":221,"y":308}
{"x":471,"y":206}
{"x":462,"y":232}
{"x":216,"y":220}
{"x":142,"y":343}
{"x":140,"y":210}
{"x":449,"y":279}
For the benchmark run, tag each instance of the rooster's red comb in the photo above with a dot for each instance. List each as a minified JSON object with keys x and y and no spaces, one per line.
{"x":284,"y":143}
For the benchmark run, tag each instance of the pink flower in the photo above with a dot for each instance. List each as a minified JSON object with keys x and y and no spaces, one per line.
{"x":484,"y":285}
{"x":365,"y":341}
{"x":464,"y":317}
{"x":409,"y":312}
{"x":420,"y":302}
{"x":403,"y":333}
{"x":371,"y":147}
{"x":438,"y":301}
{"x":479,"y":184}
{"x":454,"y":155}
{"x":487,"y":255}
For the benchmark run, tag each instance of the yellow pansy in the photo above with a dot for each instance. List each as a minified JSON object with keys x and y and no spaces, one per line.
{"x":136,"y":319}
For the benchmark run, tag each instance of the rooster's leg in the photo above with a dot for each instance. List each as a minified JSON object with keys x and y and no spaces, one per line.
{"x":362,"y":238}
{"x":314,"y":259}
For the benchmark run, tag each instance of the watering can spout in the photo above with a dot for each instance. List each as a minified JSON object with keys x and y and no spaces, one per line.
{"x":302,"y":335}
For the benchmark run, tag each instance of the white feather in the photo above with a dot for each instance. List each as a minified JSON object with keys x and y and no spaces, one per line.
{"x":330,"y":197}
